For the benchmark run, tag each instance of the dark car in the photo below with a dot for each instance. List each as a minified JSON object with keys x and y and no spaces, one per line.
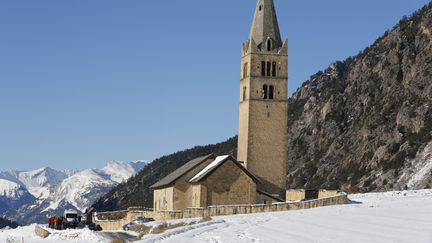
{"x":138,"y":221}
{"x":87,"y":225}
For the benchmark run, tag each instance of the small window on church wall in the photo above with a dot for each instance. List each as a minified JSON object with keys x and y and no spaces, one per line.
{"x":268,"y":68}
{"x":269,"y":45}
{"x":260,"y":7}
{"x":274,"y":69}
{"x":264,"y":92}
{"x":271,"y":92}
{"x":263,"y":70}
{"x":245,"y":68}
{"x":244,"y":93}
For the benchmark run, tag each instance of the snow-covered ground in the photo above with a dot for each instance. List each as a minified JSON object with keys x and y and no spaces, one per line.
{"x":391,"y":217}
{"x":27,"y":234}
{"x":375,"y":217}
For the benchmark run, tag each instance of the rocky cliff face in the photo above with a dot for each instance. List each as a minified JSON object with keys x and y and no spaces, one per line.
{"x":363,"y":124}
{"x":360,"y":124}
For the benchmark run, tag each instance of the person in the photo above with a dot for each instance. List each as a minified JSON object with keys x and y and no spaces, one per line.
{"x":56,"y":222}
{"x":64,"y":223}
{"x":59,"y":226}
{"x":52,"y":222}
{"x":49,"y":222}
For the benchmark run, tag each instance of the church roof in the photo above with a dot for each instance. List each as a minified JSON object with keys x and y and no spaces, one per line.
{"x":212,"y":166}
{"x":171,"y":178}
{"x":218,"y":162}
{"x":265,"y":25}
{"x":202,"y":174}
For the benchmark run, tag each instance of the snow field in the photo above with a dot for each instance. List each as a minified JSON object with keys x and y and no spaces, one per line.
{"x":376,"y":217}
{"x":27,"y":234}
{"x":390,"y":217}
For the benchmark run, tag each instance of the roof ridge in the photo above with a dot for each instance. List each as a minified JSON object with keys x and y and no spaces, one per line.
{"x":170,"y":178}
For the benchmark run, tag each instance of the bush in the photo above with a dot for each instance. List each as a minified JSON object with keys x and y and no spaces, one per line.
{"x":368,"y":156}
{"x":368,"y":182}
{"x":395,"y":163}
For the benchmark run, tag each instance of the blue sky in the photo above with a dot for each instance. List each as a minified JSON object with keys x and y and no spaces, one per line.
{"x":85,"y":82}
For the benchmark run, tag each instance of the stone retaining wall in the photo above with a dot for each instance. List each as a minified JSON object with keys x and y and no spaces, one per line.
{"x":98,"y":218}
{"x":300,"y":194}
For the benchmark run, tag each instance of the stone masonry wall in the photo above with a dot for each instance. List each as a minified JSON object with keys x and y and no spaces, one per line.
{"x":341,"y":198}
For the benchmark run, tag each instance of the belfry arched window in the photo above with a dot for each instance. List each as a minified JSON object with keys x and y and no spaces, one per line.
{"x":264,"y":92}
{"x":263,"y":68}
{"x":274,"y":69}
{"x":271,"y":92}
{"x":267,"y":92}
{"x":268,"y":68}
{"x":269,"y":45}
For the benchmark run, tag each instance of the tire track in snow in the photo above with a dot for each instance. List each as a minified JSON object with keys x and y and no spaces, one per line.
{"x":201,"y":228}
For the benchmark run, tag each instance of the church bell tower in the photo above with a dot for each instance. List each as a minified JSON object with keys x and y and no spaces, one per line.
{"x":263,"y":114}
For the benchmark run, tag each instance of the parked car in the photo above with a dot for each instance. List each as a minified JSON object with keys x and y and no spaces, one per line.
{"x":138,"y":221}
{"x":72,"y":218}
{"x":87,"y":225}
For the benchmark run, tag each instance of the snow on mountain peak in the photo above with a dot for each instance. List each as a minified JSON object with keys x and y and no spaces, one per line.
{"x":53,"y":191}
{"x":9,"y":189}
{"x":41,"y":177}
{"x":12,"y":194}
{"x":120,"y":171}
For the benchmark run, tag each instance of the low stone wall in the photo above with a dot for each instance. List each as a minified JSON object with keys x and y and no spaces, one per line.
{"x":327,"y":193}
{"x":340,"y":198}
{"x":295,"y":195}
{"x":300,"y":194}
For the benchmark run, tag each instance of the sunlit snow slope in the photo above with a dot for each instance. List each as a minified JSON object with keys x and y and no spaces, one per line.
{"x":381,"y":217}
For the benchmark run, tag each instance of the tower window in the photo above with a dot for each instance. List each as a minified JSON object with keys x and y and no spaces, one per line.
{"x":271,"y":92}
{"x":269,"y":45}
{"x":244,"y":93}
{"x":268,"y":68}
{"x":274,"y":69}
{"x":245,"y":68}
{"x":263,"y":69}
{"x":260,"y":7}
{"x":264,"y":92}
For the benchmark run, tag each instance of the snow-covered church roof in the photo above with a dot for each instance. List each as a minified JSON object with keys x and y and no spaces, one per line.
{"x":218,"y":162}
{"x":215,"y":163}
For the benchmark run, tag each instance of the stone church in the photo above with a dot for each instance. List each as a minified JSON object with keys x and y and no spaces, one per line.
{"x":258,"y":175}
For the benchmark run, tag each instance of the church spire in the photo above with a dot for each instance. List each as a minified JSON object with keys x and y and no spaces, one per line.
{"x":265,"y":29}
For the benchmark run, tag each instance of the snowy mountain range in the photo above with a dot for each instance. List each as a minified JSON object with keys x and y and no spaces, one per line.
{"x":31,"y":196}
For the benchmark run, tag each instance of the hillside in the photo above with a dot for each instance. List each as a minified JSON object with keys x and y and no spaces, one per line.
{"x":363,"y":124}
{"x":7,"y":223}
{"x":359,"y":124}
